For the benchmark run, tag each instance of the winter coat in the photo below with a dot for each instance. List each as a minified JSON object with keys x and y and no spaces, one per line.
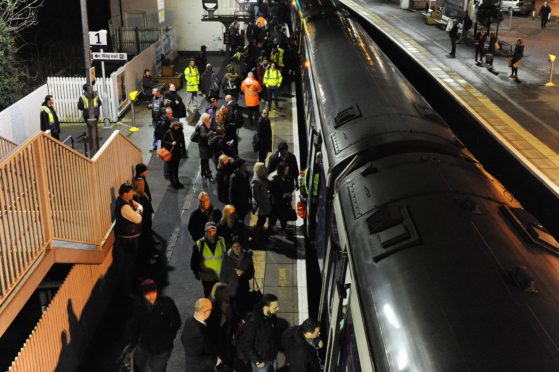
{"x":199,"y":355}
{"x":198,"y":219}
{"x":203,"y":142}
{"x":179,"y":110}
{"x":278,"y":187}
{"x":236,"y":232}
{"x":300,"y":355}
{"x":240,"y":194}
{"x":161,"y":127}
{"x":259,"y":340}
{"x":517,"y":55}
{"x":232,"y":88}
{"x":45,"y":124}
{"x":251,"y":88}
{"x":155,"y":329}
{"x":261,"y":205}
{"x":176,"y":135}
{"x":222,"y":178}
{"x":264,"y":130}
{"x":238,"y":285}
{"x":291,"y":160}
{"x":209,"y":81}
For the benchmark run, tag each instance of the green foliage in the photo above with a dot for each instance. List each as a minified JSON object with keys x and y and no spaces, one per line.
{"x":11,"y":76}
{"x":489,"y":12}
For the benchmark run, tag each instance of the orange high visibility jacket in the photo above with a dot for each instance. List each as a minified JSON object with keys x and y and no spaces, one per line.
{"x":251,"y":88}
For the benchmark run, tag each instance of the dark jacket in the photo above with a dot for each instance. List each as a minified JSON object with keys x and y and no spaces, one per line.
{"x":238,"y":285}
{"x":162,"y":125}
{"x":147,"y":222}
{"x":171,"y":136}
{"x":45,"y":124}
{"x":275,"y":159}
{"x":203,"y":144}
{"x":222,"y":178}
{"x":237,"y":232}
{"x":179,"y":110}
{"x":264,"y":130}
{"x":259,"y":340}
{"x":240,"y":194}
{"x":209,"y":81}
{"x":199,"y":356}
{"x":81,"y":105}
{"x":198,"y":219}
{"x":544,"y":12}
{"x":517,"y":54}
{"x":154,"y":326}
{"x":146,"y":186}
{"x":278,"y":187}
{"x":300,"y":355}
{"x":231,"y":84}
{"x":453,"y":34}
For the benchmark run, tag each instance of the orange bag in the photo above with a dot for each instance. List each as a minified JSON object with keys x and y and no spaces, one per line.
{"x":164,"y":154}
{"x":302,"y":209}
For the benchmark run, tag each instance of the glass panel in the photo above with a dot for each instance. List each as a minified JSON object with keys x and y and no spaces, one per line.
{"x":349,"y":356}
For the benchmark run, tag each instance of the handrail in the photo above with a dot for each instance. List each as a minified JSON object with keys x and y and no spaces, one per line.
{"x":50,"y":192}
{"x":6,"y":146}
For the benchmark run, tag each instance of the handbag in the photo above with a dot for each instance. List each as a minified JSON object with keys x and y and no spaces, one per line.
{"x":165,"y":154}
{"x":195,"y":136}
{"x":291,"y":215}
{"x":255,"y":294}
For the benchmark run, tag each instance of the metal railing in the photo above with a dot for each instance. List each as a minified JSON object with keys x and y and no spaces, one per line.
{"x":50,"y":192}
{"x":133,"y":40}
{"x":6,"y":146}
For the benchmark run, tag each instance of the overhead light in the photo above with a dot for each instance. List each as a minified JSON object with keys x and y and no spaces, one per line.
{"x":209,"y":5}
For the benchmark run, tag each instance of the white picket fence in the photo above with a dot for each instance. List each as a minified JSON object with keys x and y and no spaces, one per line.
{"x":67,"y":91}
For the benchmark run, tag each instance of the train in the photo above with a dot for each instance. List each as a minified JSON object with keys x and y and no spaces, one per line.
{"x":428,"y":262}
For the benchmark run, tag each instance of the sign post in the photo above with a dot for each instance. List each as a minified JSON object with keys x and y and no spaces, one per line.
{"x":92,"y":132}
{"x":99,"y":38}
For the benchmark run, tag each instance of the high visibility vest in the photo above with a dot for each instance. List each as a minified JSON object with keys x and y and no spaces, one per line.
{"x":315,"y":180}
{"x":86,"y":101}
{"x":272,"y":78}
{"x":192,"y":77}
{"x":49,"y":113}
{"x":251,"y":88}
{"x":212,"y":261}
{"x":278,"y":57}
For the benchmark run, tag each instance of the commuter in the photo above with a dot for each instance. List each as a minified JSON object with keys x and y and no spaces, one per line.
{"x":230,"y":227}
{"x":128,"y":227}
{"x":206,"y":212}
{"x":283,"y":155}
{"x":220,"y":323}
{"x":261,"y":198}
{"x":264,"y":133}
{"x":251,"y":88}
{"x":204,"y":149}
{"x":148,"y":83}
{"x":209,"y":84}
{"x":261,"y":68}
{"x":199,"y":352}
{"x":545,"y":14}
{"x":142,"y":172}
{"x":225,"y":169}
{"x":211,"y":109}
{"x":85,"y":100}
{"x":176,"y":102}
{"x":453,"y":34}
{"x":156,"y":109}
{"x":281,"y":189}
{"x":235,"y":113}
{"x":192,"y":77}
{"x":146,"y":251}
{"x":49,"y":118}
{"x":202,"y":59}
{"x":240,"y":194}
{"x":301,"y":345}
{"x":276,"y":56}
{"x":272,"y":81}
{"x":466,"y":26}
{"x":236,"y":271}
{"x":479,"y":42}
{"x":258,"y":343}
{"x":515,"y":60}
{"x":207,"y":257}
{"x":231,"y":83}
{"x":173,"y":140}
{"x":153,"y":328}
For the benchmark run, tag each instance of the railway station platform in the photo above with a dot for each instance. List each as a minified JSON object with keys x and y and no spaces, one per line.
{"x":521,"y":116}
{"x":279,"y":261}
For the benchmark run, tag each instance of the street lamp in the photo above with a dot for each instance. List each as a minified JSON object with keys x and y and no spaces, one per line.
{"x":552,"y":61}
{"x":210,"y":6}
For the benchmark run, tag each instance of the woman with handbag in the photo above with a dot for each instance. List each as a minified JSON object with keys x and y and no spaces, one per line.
{"x":281,"y":189}
{"x":173,"y":141}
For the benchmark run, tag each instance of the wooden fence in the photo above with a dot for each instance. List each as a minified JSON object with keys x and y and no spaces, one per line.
{"x":6,"y":146}
{"x":49,"y":191}
{"x":67,"y":91}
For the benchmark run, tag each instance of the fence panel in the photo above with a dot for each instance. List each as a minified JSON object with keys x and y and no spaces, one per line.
{"x":67,"y":91}
{"x":6,"y":146}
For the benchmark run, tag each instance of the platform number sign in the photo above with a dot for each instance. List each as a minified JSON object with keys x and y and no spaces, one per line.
{"x":98,"y":38}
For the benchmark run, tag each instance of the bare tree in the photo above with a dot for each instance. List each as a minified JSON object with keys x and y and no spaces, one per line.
{"x":17,"y":15}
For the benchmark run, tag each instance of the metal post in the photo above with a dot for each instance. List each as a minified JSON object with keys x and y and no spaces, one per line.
{"x":85,"y":144}
{"x":91,"y":121}
{"x":133,"y":114}
{"x":105,"y":90}
{"x":137,"y":34}
{"x":510,"y":18}
{"x":550,"y":83}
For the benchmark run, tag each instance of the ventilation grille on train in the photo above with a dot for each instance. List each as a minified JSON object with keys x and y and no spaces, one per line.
{"x":347,"y":115}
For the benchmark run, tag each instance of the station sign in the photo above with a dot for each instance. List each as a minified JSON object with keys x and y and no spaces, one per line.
{"x":98,"y":38}
{"x":103,"y":56}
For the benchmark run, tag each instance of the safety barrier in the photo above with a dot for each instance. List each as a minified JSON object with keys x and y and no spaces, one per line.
{"x":50,"y":192}
{"x":57,"y":332}
{"x":6,"y":146}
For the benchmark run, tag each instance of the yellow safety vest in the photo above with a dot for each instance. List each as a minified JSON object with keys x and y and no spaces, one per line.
{"x":212,"y":261}
{"x":49,"y":113}
{"x":86,"y":101}
{"x":315,"y":180}
{"x":192,"y":77}
{"x":272,"y":78}
{"x":278,"y":57}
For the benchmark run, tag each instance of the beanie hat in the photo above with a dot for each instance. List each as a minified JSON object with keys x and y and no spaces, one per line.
{"x":141,"y":168}
{"x":209,"y":225}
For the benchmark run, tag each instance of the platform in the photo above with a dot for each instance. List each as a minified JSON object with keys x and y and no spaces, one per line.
{"x":521,"y":116}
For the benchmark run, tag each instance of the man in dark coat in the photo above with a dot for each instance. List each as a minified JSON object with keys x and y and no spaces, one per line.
{"x":264,"y":132}
{"x":49,"y":118}
{"x":153,"y":327}
{"x":453,"y":34}
{"x":199,"y":354}
{"x":206,"y":212}
{"x":283,"y":155}
{"x":258,"y":342}
{"x":240,"y":194}
{"x":142,"y":172}
{"x":85,"y":101}
{"x":301,"y":346}
{"x":545,"y":12}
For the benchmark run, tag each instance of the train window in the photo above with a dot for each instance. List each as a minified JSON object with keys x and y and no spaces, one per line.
{"x":348,"y":360}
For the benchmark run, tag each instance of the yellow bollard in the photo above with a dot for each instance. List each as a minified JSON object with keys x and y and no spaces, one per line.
{"x":552,"y":61}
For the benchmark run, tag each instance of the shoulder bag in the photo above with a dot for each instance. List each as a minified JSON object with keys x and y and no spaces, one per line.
{"x":165,"y":154}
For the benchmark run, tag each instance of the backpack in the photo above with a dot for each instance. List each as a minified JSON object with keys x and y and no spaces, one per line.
{"x":214,"y":87}
{"x":231,"y":84}
{"x":255,"y":142}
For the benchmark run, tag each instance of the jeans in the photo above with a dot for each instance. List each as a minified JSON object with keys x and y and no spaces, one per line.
{"x":147,"y":362}
{"x":275,"y":92}
{"x":269,"y":366}
{"x":155,"y":142}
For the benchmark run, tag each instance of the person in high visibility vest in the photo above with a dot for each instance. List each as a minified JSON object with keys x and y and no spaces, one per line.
{"x":49,"y":118}
{"x":207,"y":257}
{"x":192,"y":76}
{"x":84,"y":102}
{"x":272,"y":82}
{"x":277,"y":56}
{"x":251,"y":89}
